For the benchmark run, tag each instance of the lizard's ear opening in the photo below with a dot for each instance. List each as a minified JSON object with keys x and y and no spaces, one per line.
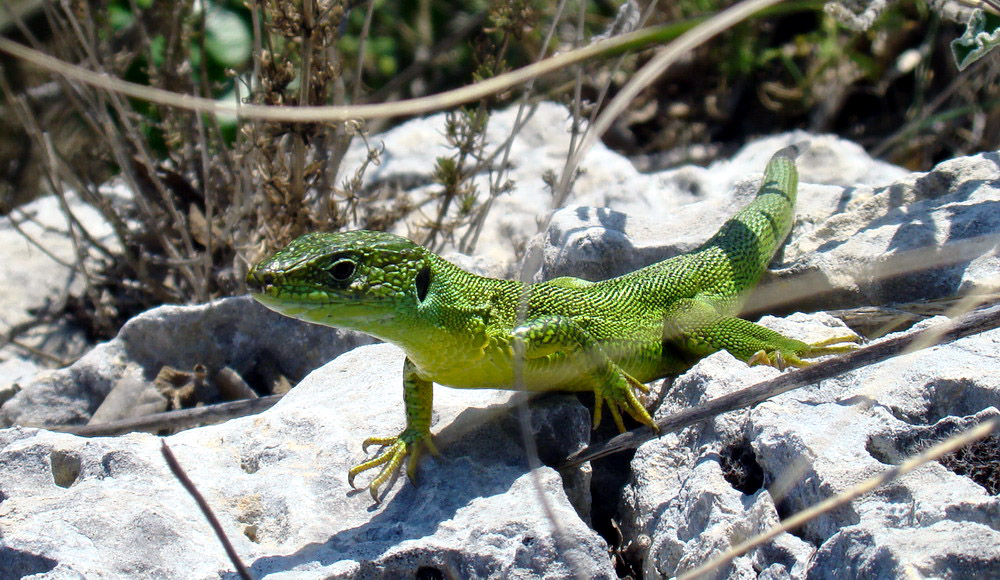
{"x":423,"y":282}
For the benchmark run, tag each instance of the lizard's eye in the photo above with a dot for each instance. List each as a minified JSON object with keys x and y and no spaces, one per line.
{"x":342,"y":270}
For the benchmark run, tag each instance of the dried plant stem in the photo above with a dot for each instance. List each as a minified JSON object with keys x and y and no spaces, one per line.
{"x":389,"y":91}
{"x":567,"y":172}
{"x":647,"y":74}
{"x":362,"y":46}
{"x":178,"y":471}
{"x":431,"y":103}
{"x":175,"y":420}
{"x":471,"y":238}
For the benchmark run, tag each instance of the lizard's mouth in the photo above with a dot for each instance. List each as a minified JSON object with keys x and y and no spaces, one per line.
{"x":260,"y":282}
{"x":273,"y":291}
{"x":319,"y":307}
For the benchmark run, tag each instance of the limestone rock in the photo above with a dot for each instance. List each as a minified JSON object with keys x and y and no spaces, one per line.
{"x":234,"y":332}
{"x":928,"y":235}
{"x":674,"y":211}
{"x":72,"y":507}
{"x":277,"y":482}
{"x":607,"y":179}
{"x":706,"y":488}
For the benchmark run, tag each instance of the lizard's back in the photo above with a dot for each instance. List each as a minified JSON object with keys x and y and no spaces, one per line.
{"x":629,"y":317}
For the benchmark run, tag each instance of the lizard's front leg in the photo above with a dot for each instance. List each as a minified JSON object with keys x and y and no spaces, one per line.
{"x":548,"y":335}
{"x":418,"y":398}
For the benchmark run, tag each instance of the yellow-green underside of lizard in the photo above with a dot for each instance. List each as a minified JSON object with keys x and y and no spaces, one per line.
{"x":467,"y":331}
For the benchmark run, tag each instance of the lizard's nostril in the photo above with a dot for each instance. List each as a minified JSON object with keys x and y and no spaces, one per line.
{"x":257,"y":280}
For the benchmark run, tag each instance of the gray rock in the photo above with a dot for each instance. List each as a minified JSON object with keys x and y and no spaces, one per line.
{"x":234,"y":332}
{"x":131,"y":396}
{"x":925,"y":236}
{"x":672,"y":212}
{"x":11,"y":372}
{"x":411,"y":150}
{"x":690,"y":492}
{"x":109,"y":507}
{"x":684,"y":492}
{"x":928,"y":235}
{"x":35,"y":278}
{"x":277,"y":480}
{"x":607,"y":179}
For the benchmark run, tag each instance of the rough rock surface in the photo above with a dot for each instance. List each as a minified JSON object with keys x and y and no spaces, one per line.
{"x":704,"y":489}
{"x":927,"y":235}
{"x":233,"y":332}
{"x":690,"y":203}
{"x":109,"y":507}
{"x":921,"y":236}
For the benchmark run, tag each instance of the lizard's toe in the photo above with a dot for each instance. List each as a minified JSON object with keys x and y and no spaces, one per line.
{"x":617,"y":391}
{"x":390,"y":457}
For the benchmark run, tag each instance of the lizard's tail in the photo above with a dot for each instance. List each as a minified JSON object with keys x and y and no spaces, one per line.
{"x":771,"y":214}
{"x":791,"y":152}
{"x":781,"y":179}
{"x":752,"y":236}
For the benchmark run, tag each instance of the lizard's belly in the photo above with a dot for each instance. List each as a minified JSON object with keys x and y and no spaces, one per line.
{"x":559,"y":371}
{"x":494,"y":369}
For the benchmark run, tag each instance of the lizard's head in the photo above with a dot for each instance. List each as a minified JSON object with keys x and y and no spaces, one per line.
{"x":358,"y":279}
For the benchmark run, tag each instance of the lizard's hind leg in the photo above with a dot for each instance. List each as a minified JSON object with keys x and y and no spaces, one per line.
{"x":695,"y":326}
{"x":781,"y":360}
{"x":552,"y":335}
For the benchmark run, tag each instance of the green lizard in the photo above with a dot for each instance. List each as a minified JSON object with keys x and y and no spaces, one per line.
{"x":467,"y":331}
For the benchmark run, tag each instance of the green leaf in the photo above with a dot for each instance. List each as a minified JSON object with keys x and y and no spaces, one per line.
{"x":982,"y":34}
{"x":157,"y":49}
{"x":119,"y":17}
{"x":227,"y":37}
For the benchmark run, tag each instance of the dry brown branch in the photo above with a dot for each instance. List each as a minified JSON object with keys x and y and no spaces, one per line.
{"x":178,"y":471}
{"x":417,"y":106}
{"x":173,"y":420}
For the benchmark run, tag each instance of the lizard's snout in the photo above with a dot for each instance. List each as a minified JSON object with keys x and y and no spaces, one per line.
{"x":258,"y":280}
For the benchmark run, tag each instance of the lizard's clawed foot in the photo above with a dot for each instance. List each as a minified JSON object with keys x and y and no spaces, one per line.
{"x":617,"y":391}
{"x":833,"y":345}
{"x":394,"y":450}
{"x":782,"y":359}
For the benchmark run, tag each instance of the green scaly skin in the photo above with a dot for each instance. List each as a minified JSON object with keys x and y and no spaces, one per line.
{"x":462,"y":330}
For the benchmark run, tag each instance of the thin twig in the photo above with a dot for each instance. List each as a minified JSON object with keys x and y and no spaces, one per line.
{"x":178,"y":472}
{"x":362,"y":47}
{"x":389,"y":90}
{"x":16,"y":223}
{"x":813,"y":283}
{"x":654,"y":68}
{"x":967,"y":325}
{"x":468,"y":246}
{"x":914,"y":124}
{"x":180,"y":419}
{"x":291,"y":114}
{"x":37,"y":352}
{"x":562,"y":194}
